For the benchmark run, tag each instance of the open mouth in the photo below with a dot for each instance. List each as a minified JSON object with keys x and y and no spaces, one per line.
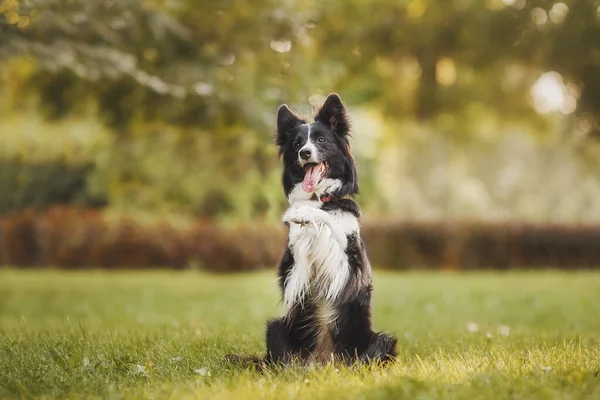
{"x":314,"y":173}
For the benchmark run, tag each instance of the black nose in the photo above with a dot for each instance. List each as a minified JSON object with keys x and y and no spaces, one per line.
{"x":305,"y":154}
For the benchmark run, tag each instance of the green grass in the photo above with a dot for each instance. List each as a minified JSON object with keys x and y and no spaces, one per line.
{"x":160,"y":334}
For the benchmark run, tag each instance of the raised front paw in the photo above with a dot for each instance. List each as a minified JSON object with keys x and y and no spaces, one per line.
{"x":301,"y":215}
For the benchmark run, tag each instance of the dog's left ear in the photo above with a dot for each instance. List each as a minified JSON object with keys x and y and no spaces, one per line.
{"x":333,"y":114}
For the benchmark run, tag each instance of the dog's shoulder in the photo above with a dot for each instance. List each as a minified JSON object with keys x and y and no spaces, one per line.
{"x":345,"y":204}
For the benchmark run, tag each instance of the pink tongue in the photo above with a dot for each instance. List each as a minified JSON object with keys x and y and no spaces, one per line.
{"x":311,"y":179}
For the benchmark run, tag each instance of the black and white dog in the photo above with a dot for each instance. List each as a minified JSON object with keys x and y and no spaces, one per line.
{"x":324,"y":275}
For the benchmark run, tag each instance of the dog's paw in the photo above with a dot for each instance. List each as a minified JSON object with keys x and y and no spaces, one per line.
{"x":301,"y":215}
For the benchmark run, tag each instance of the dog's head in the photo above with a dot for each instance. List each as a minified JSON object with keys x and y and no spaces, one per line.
{"x":317,"y":154}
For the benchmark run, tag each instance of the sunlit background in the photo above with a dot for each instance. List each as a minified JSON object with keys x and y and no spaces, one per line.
{"x":147,"y":126}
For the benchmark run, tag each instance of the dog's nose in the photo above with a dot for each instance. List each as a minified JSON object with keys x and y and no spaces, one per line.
{"x":305,"y":154}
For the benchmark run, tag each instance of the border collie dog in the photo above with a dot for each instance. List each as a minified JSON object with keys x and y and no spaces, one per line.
{"x":324,"y":275}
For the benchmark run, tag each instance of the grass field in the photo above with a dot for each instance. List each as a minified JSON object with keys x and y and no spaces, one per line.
{"x":163,"y":334}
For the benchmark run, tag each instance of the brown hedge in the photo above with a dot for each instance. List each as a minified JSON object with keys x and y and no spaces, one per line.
{"x":79,"y":238}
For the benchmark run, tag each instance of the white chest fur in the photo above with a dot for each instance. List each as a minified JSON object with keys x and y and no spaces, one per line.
{"x":318,"y":242}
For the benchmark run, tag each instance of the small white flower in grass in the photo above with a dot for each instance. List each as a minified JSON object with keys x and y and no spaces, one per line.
{"x":176,"y":359}
{"x":306,"y":380}
{"x":504,"y":330}
{"x":547,"y":368}
{"x":472,"y":327}
{"x":489,"y":335}
{"x":140,"y":369}
{"x":202,"y":372}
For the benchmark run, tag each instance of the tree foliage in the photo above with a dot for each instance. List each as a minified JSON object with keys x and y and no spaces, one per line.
{"x":201,"y":62}
{"x":208,"y":75}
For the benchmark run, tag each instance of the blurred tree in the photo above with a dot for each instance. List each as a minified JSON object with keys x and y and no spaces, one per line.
{"x":197,"y":63}
{"x":194,"y":84}
{"x":565,"y":37}
{"x":224,"y":62}
{"x":447,"y":54}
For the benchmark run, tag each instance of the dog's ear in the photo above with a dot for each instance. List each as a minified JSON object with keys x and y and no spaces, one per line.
{"x":333,"y":114}
{"x":286,"y":121}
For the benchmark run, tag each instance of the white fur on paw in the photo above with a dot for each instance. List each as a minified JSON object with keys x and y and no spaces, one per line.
{"x":302,"y":214}
{"x":296,"y":216}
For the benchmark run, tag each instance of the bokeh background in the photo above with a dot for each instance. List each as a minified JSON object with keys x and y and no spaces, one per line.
{"x":138,"y":134}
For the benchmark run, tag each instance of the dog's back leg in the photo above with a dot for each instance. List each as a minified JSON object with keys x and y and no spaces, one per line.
{"x":279,"y":348}
{"x":354,"y":337}
{"x":352,"y":329}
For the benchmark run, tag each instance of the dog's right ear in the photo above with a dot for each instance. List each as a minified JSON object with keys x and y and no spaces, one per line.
{"x":286,"y":122}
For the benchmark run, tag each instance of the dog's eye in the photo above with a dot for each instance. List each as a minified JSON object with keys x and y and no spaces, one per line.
{"x":297,"y":145}
{"x":321,"y":140}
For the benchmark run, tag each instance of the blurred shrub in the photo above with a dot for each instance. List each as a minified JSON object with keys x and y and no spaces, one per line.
{"x":482,"y":245}
{"x":44,"y":164}
{"x":428,"y":174}
{"x":80,"y":238}
{"x":223,"y":250}
{"x":44,"y":184}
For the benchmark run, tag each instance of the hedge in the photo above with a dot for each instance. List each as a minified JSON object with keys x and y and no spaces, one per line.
{"x":69,"y":237}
